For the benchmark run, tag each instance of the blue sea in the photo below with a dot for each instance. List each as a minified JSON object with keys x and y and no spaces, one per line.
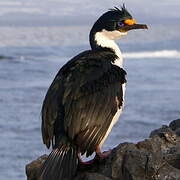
{"x":30,"y":57}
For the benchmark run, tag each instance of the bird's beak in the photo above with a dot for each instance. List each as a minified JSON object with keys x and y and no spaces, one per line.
{"x":131,"y":24}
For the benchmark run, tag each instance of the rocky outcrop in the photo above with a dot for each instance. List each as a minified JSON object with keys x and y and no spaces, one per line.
{"x":155,"y":158}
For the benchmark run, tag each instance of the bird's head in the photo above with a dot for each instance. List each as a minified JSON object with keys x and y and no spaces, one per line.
{"x":114,"y":24}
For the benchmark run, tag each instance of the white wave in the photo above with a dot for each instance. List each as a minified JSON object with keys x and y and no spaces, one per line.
{"x":153,"y":54}
{"x":4,"y":11}
{"x":10,"y":3}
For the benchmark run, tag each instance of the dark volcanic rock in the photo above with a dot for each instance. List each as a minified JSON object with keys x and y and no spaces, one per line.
{"x":175,"y":126}
{"x":33,"y":168}
{"x":155,"y":158}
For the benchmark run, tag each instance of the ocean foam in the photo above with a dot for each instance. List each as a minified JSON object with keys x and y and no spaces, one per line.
{"x":153,"y":54}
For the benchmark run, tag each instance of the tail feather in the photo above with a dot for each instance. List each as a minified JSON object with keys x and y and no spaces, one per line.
{"x":58,"y":171}
{"x":61,"y":164}
{"x":74,"y":161}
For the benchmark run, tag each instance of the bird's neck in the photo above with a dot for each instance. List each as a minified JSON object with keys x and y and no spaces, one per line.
{"x":99,"y":40}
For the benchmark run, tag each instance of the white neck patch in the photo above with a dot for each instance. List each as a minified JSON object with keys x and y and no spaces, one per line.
{"x":106,"y":39}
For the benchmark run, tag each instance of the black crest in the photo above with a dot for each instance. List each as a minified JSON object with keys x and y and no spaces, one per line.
{"x":123,"y":12}
{"x":115,"y":15}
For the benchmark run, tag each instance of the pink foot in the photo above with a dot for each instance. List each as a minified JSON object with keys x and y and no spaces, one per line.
{"x":97,"y":159}
{"x":102,"y":155}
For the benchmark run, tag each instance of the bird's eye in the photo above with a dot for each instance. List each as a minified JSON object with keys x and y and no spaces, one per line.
{"x":121,"y":24}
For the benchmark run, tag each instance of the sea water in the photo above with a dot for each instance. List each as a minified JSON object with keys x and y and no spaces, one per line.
{"x":31,"y":57}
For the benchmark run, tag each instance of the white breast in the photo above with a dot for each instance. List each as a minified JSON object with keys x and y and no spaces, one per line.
{"x":106,"y":39}
{"x":115,"y":118}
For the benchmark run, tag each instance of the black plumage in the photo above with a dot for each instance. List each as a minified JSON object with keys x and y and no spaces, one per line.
{"x":79,"y":108}
{"x":82,"y":99}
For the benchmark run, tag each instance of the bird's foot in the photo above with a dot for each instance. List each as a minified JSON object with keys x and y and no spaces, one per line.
{"x":99,"y":156}
{"x":85,"y":165}
{"x":102,"y":155}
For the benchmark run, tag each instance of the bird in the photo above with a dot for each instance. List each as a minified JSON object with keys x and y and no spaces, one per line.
{"x":86,"y":98}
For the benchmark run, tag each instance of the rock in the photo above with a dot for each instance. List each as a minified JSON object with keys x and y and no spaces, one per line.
{"x":175,"y":126}
{"x":155,"y":158}
{"x":33,"y":168}
{"x":91,"y":176}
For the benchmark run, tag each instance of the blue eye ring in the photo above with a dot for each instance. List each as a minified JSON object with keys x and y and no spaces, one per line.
{"x":121,"y":24}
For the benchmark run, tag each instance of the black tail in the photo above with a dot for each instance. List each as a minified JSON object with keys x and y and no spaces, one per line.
{"x":61,"y":164}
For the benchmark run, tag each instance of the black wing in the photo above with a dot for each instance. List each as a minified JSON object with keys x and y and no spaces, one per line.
{"x":83,"y":99}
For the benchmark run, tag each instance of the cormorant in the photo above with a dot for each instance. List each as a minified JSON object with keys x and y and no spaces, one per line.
{"x":86,"y":97}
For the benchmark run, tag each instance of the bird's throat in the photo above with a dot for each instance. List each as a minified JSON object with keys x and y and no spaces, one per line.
{"x":100,"y":40}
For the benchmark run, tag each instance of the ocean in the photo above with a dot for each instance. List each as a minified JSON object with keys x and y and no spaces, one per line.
{"x":30,"y":57}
